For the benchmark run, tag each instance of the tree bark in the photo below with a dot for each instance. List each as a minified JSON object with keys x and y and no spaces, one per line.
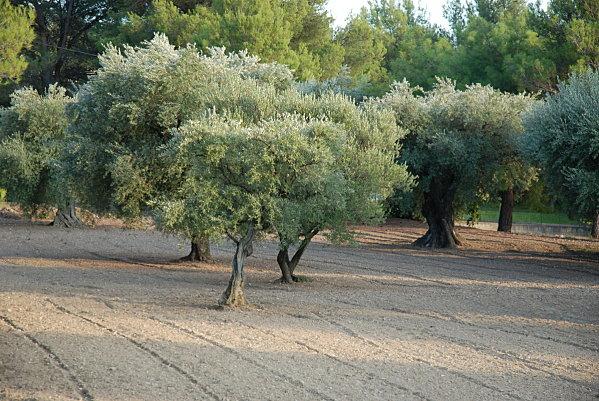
{"x":438,"y":211}
{"x":506,"y":212}
{"x":287,"y":265}
{"x":65,"y":30}
{"x":200,"y":250}
{"x":595,"y":227}
{"x":234,"y":295}
{"x":43,"y":34}
{"x":67,"y":217}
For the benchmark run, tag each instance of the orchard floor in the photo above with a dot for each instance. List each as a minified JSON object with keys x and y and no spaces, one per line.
{"x":101,"y":314}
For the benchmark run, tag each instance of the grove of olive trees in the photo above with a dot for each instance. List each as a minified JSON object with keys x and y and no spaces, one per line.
{"x":215,"y":145}
{"x":165,"y":164}
{"x":218,"y":144}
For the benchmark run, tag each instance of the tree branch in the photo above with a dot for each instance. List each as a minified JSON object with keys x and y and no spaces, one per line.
{"x":232,"y":237}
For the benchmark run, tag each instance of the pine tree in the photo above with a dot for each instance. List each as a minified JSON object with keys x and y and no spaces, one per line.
{"x":16,"y":34}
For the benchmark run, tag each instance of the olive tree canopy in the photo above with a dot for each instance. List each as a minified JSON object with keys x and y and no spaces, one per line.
{"x":562,"y":136}
{"x":32,"y":135}
{"x":457,"y":141}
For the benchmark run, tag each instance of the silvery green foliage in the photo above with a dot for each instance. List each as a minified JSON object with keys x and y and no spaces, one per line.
{"x":562,"y":135}
{"x":366,"y":163}
{"x":248,"y":66}
{"x":126,"y":115}
{"x":343,"y":83}
{"x":345,"y":184}
{"x":249,"y":167}
{"x":290,"y":173}
{"x":32,"y":132}
{"x":457,"y":139}
{"x":128,"y":109}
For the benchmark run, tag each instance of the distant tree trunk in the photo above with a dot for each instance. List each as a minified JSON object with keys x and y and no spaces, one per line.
{"x":200,"y":250}
{"x":506,"y":212}
{"x":43,"y":35}
{"x":595,"y":227}
{"x":65,"y":31}
{"x":233,"y":295}
{"x":438,"y":211}
{"x":287,"y":265}
{"x":67,"y":217}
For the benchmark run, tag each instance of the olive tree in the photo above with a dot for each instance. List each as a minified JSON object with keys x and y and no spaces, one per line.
{"x":127,"y":112}
{"x":457,"y":140}
{"x":562,"y":136}
{"x":246,"y":172}
{"x":32,"y":135}
{"x":347,"y":191}
{"x":278,"y":175}
{"x":351,"y":189}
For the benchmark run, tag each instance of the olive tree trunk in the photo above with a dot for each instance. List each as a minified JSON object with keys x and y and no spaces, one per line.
{"x":287,"y":265}
{"x":200,"y":250}
{"x":595,"y":227}
{"x":67,"y":217}
{"x":234,"y":295}
{"x":506,"y":211}
{"x":438,"y":211}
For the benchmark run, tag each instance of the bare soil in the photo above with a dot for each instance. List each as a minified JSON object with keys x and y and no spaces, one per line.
{"x":104,"y":314}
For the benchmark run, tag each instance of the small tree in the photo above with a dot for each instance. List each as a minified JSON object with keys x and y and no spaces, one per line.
{"x":32,"y":135}
{"x":562,"y":136}
{"x":457,"y":141}
{"x":348,"y":188}
{"x":247,"y":172}
{"x":127,"y":112}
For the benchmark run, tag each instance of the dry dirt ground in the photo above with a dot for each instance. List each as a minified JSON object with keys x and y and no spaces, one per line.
{"x":101,"y":314}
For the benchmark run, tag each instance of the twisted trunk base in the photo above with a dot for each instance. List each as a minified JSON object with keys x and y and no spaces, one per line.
{"x":287,"y":265}
{"x":200,"y":250}
{"x":286,"y":268}
{"x":506,"y":212}
{"x":234,"y":295}
{"x":67,"y":217}
{"x":595,"y":227}
{"x":438,"y":210}
{"x":440,"y":234}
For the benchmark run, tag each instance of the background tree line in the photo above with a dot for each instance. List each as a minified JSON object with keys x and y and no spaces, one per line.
{"x":511,"y":45}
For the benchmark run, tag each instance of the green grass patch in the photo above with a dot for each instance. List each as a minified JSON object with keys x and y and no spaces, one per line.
{"x":491,"y":213}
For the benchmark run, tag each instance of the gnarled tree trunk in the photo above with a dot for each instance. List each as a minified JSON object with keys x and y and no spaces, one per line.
{"x":200,"y":250}
{"x":67,"y":217}
{"x":233,"y":295}
{"x":506,"y":212}
{"x":438,"y":211}
{"x":287,"y":265}
{"x":595,"y":227}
